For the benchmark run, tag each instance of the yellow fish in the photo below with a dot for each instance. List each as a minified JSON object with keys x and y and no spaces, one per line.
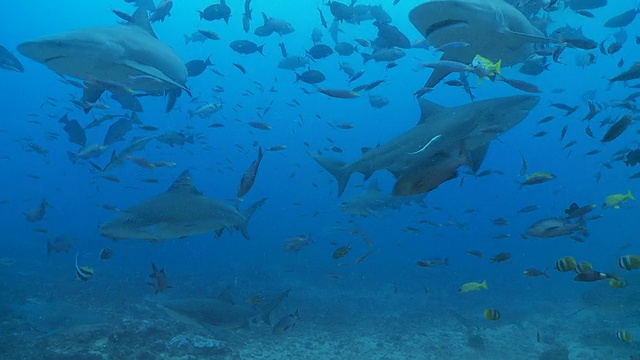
{"x":484,"y":67}
{"x":615,"y":200}
{"x":473,"y":286}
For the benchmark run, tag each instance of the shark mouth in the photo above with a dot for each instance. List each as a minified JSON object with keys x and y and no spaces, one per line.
{"x":444,"y":24}
{"x":47,"y":60}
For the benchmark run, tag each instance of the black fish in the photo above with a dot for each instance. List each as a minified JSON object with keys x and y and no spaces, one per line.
{"x":617,"y":129}
{"x":197,"y":67}
{"x":249,"y":177}
{"x":74,"y":130}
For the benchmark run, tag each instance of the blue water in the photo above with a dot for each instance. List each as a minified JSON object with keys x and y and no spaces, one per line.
{"x":383,"y":307}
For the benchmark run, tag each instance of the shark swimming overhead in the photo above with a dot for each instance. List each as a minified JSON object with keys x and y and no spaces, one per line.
{"x":493,"y":29}
{"x":119,"y":58}
{"x":444,"y":139}
{"x":179,"y":212}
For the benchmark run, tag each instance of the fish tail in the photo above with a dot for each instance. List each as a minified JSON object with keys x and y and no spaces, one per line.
{"x":201,"y":14}
{"x":247,"y":216}
{"x":630,"y":195}
{"x":187,"y":39}
{"x":497,"y":67}
{"x":582,"y":228}
{"x":365,"y":57}
{"x":260,"y":49}
{"x":336,"y":168}
{"x":484,"y":285}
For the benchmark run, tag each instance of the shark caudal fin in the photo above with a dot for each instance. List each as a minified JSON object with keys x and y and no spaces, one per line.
{"x":336,"y":168}
{"x":247,"y":215}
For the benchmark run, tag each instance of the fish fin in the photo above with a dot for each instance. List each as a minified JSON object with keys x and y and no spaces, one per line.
{"x":336,"y":168}
{"x":428,"y":109}
{"x":184,"y":185}
{"x":477,"y":156}
{"x":630,"y":195}
{"x":440,"y":73}
{"x":484,"y":284}
{"x":265,"y":18}
{"x":140,"y":18}
{"x":374,"y":185}
{"x":247,"y":216}
{"x":91,"y":93}
{"x":153,"y":72}
{"x":173,"y":97}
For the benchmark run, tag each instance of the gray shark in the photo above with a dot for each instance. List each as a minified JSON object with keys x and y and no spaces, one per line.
{"x":492,"y":28}
{"x":117,"y":58}
{"x":179,"y":212}
{"x":373,"y":201}
{"x":443,"y":140}
{"x":221,"y":312}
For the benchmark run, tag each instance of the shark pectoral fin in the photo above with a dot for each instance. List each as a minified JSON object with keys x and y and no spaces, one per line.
{"x":153,"y":72}
{"x":440,"y":73}
{"x":91,"y":93}
{"x":477,"y":156}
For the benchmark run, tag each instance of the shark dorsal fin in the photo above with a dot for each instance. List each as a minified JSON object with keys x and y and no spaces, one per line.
{"x":428,"y":109}
{"x":140,"y":18}
{"x":374,"y":185}
{"x":184,"y":185}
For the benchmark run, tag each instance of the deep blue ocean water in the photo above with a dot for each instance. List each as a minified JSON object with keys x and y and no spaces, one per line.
{"x":386,"y":299}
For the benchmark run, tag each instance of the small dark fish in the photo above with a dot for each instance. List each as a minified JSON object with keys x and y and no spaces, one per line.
{"x":240,"y":67}
{"x":60,"y":244}
{"x":323,"y":21}
{"x":249,"y":177}
{"x":106,"y":254}
{"x":564,"y":132}
{"x":591,"y":276}
{"x":529,"y":208}
{"x":532,"y":272}
{"x":546,"y":119}
{"x":617,"y":128}
{"x":197,"y":67}
{"x":161,"y":279}
{"x":500,"y":257}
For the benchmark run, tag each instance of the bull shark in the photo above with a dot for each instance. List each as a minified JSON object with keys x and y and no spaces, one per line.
{"x":179,"y":212}
{"x":373,"y":201}
{"x":122,"y":58}
{"x":219,"y":313}
{"x":492,"y":28}
{"x":444,"y":139}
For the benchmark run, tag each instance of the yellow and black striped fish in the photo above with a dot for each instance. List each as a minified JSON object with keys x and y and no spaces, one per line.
{"x":625,"y":336}
{"x":629,"y":262}
{"x":491,"y":314}
{"x":83,"y":273}
{"x":565,"y":264}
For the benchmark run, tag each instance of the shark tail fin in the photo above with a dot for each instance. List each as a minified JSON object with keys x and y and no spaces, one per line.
{"x":336,"y":168}
{"x":247,"y":215}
